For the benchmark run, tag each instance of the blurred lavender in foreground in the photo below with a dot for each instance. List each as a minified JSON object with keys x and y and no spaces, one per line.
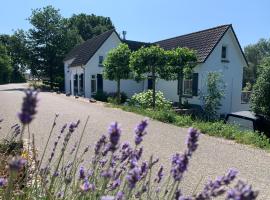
{"x":29,"y":106}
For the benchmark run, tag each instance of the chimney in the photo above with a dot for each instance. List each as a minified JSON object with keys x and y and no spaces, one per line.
{"x":124,"y":35}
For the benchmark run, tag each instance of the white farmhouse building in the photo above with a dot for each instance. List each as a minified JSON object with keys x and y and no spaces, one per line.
{"x":217,"y":48}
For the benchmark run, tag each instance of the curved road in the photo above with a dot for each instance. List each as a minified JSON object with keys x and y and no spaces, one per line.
{"x":213,"y":157}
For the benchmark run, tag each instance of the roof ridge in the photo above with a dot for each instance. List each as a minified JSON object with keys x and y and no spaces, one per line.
{"x":216,"y":27}
{"x":99,"y":35}
{"x":135,"y":41}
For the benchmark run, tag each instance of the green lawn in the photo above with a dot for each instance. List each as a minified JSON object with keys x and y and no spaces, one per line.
{"x":218,"y":128}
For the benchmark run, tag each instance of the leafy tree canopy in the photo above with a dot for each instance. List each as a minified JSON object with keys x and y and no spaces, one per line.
{"x":255,"y":53}
{"x":149,"y":60}
{"x":116,"y":65}
{"x":89,"y":26}
{"x":5,"y":65}
{"x":260,"y":97}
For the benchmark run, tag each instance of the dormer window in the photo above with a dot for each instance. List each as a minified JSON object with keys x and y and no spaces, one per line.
{"x":224,"y":53}
{"x":100,"y":61}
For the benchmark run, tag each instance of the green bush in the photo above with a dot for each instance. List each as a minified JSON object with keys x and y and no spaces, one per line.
{"x":217,"y":129}
{"x":101,"y":96}
{"x":112,"y":97}
{"x":260,"y":97}
{"x":144,"y":100}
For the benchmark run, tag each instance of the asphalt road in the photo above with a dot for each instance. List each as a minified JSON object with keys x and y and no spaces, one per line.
{"x":213,"y":157}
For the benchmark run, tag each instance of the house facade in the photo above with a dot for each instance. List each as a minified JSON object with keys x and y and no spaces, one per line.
{"x":217,"y":50}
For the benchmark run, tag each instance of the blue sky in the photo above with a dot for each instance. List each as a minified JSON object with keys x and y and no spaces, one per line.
{"x":152,"y":20}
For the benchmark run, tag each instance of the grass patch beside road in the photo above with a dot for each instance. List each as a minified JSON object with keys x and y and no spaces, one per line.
{"x":218,"y":128}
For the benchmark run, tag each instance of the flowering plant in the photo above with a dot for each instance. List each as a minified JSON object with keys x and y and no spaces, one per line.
{"x":116,"y":170}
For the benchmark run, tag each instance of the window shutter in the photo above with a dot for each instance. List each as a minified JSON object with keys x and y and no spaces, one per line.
{"x":195,"y":84}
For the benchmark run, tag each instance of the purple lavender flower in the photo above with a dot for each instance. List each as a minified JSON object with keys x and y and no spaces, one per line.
{"x":15,"y":164}
{"x":140,"y":131}
{"x":215,"y":188}
{"x":192,"y":140}
{"x":3,"y":182}
{"x":159,"y":175}
{"x":125,"y":151}
{"x":107,"y":173}
{"x":73,"y":148}
{"x":119,"y":195}
{"x":86,"y":186}
{"x":81,"y":173}
{"x":242,"y":191}
{"x":63,"y":128}
{"x":133,"y":177}
{"x":99,"y":144}
{"x":114,"y":135}
{"x":179,"y":166}
{"x":28,"y":107}
{"x":144,"y":169}
{"x":73,"y":126}
{"x":115,"y":184}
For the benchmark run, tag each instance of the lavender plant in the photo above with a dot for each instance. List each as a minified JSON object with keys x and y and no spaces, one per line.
{"x":116,"y":170}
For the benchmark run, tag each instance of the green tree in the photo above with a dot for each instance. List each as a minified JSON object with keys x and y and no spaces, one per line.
{"x":149,"y":61}
{"x":49,"y":39}
{"x":255,"y":53}
{"x":260,"y":97}
{"x":212,"y":95}
{"x":17,"y":49}
{"x":5,"y":65}
{"x":116,"y":66}
{"x":89,"y":26}
{"x":181,"y":62}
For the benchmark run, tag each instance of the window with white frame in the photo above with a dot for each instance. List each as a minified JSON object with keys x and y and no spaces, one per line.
{"x":93,"y":84}
{"x":100,"y":60}
{"x":187,"y":87}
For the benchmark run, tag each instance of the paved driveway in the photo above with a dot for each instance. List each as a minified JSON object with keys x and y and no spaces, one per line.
{"x":213,"y":157}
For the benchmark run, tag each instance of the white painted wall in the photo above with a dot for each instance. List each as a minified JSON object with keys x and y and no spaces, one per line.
{"x":67,"y":75}
{"x":92,"y":68}
{"x":232,"y":73}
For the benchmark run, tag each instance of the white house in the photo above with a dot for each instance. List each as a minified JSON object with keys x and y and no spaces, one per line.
{"x":217,"y":48}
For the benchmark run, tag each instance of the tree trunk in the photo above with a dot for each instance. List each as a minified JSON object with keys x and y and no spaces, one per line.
{"x":180,"y":87}
{"x":118,"y":92}
{"x":154,"y":86}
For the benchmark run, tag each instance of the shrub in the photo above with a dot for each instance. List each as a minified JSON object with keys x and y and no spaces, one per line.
{"x":112,"y":97}
{"x":101,"y":96}
{"x":144,"y":100}
{"x":115,"y":172}
{"x":212,"y":95}
{"x":260,"y":97}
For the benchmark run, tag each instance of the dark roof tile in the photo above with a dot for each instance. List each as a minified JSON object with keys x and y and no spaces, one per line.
{"x":83,"y":52}
{"x":203,"y":42}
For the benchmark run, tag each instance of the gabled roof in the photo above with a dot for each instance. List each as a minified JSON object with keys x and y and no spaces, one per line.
{"x":83,"y":52}
{"x":203,"y":42}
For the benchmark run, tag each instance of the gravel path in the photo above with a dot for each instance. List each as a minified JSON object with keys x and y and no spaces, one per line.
{"x":213,"y":157}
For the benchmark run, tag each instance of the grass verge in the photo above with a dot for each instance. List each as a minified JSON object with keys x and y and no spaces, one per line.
{"x":218,"y":128}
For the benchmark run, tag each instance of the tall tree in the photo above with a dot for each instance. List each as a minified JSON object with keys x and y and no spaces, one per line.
{"x":149,"y":60}
{"x":5,"y":65}
{"x":255,"y":53}
{"x":260,"y":97}
{"x":116,"y":66}
{"x":89,"y":26}
{"x":181,"y":61}
{"x":48,"y":38}
{"x":19,"y":53}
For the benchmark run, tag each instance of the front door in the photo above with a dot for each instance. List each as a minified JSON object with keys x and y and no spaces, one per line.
{"x":99,"y":83}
